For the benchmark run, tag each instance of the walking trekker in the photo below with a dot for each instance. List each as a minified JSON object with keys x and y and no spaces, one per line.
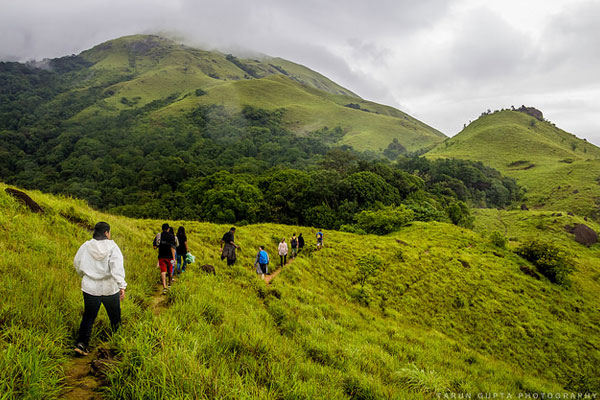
{"x":283,"y":250}
{"x":182,"y":250}
{"x":172,"y":232}
{"x":294,"y":245}
{"x":228,"y":247}
{"x":262,"y":262}
{"x":319,"y":239}
{"x":99,"y":263}
{"x":165,"y":243}
{"x":300,"y":242}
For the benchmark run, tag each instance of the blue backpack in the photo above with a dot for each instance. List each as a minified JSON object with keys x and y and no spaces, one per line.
{"x":263,"y":257}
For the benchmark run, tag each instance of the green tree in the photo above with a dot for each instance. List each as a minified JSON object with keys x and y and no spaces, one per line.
{"x":459,"y":214}
{"x":384,"y":221}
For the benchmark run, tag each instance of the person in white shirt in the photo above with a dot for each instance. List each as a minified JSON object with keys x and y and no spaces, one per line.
{"x":99,"y":263}
{"x":283,"y":250}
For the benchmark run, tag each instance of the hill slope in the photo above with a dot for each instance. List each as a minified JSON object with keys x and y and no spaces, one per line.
{"x":559,"y":171}
{"x":431,"y":309}
{"x":133,"y":71}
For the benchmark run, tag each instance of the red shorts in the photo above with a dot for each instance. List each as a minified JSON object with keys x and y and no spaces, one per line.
{"x":164,"y":264}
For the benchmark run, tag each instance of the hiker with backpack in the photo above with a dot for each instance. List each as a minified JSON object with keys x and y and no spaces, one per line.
{"x":228,"y":247}
{"x":319,"y":239}
{"x":294,"y":245}
{"x":99,"y":263}
{"x":181,"y":250}
{"x":165,"y":243}
{"x":283,"y":251}
{"x":262,"y":262}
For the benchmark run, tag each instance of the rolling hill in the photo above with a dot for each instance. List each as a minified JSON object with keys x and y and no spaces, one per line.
{"x":132,"y":72}
{"x":140,"y":121}
{"x":558,"y":170}
{"x":430,"y":310}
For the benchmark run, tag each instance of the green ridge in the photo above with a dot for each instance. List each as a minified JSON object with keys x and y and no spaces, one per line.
{"x":558,"y":170}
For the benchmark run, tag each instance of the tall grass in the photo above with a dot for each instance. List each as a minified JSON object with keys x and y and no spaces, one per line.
{"x":447,"y":312}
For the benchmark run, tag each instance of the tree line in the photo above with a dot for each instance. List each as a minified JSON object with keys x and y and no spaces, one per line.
{"x":209,"y":164}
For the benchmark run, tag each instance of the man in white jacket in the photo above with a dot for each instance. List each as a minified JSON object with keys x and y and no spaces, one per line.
{"x":99,"y":263}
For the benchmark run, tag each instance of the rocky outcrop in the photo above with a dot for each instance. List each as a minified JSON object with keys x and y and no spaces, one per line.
{"x":534,"y":112}
{"x":209,"y":269}
{"x":585,"y":235}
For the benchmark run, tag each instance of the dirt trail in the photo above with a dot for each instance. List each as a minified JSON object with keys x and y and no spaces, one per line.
{"x":80,"y":380}
{"x":84,"y":374}
{"x":269,"y":278}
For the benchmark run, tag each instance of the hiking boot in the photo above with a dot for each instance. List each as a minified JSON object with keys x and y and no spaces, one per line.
{"x":81,"y":349}
{"x":165,"y":291}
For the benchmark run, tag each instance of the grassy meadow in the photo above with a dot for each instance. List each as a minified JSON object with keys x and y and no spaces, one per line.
{"x":558,"y":170}
{"x":431,"y":310}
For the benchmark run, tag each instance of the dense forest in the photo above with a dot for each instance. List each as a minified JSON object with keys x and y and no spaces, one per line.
{"x":212,"y":165}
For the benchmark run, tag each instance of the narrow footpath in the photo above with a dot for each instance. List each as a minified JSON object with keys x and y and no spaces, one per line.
{"x":269,"y":278}
{"x":80,"y":380}
{"x":84,"y":376}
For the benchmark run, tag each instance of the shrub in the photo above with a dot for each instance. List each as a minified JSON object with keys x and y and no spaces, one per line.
{"x":426,"y":212}
{"x":498,"y":239}
{"x":362,"y":294}
{"x":368,"y":265}
{"x":460,"y":215}
{"x":549,"y":260}
{"x":384,"y":221}
{"x":352,"y":229}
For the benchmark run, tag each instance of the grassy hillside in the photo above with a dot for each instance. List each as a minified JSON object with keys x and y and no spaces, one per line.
{"x":152,"y":68}
{"x":558,"y":170}
{"x":442,"y":310}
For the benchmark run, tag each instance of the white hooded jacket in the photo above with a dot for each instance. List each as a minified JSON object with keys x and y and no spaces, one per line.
{"x":100,"y":265}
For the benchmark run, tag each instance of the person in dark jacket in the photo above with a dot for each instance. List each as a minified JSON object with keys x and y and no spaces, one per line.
{"x":228,"y":247}
{"x":294,"y":245}
{"x":182,"y":250}
{"x":300,"y":242}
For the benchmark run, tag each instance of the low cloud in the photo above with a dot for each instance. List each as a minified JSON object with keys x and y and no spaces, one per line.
{"x":442,"y":61}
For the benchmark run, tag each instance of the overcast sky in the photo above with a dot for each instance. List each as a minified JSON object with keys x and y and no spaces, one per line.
{"x":444,"y":62}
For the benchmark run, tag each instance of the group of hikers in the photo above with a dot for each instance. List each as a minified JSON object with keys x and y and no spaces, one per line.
{"x":261,"y":262}
{"x":99,"y":263}
{"x":172,"y":254}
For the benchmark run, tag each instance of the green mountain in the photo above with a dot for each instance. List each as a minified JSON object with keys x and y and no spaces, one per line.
{"x":151,"y":68}
{"x":558,"y":170}
{"x":430,"y":310}
{"x":147,"y":128}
